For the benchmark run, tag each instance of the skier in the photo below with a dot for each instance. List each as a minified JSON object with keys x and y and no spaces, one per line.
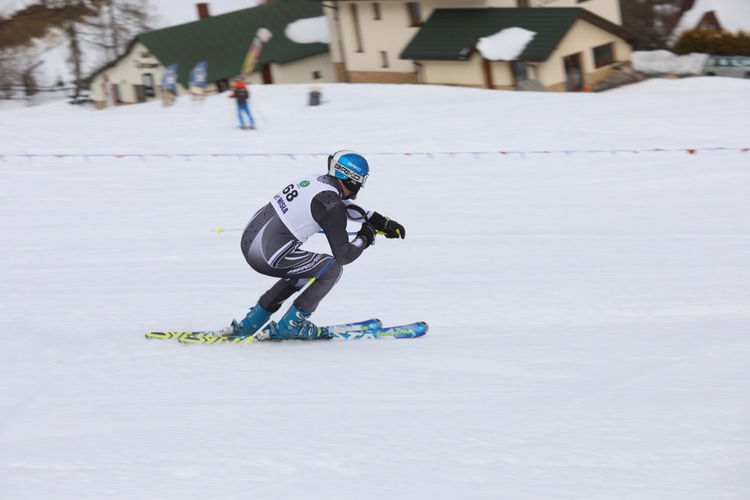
{"x":271,"y":245}
{"x":242,"y":94}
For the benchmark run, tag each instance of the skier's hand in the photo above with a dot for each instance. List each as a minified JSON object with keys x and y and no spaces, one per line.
{"x":390,"y":228}
{"x":367,"y":233}
{"x":394,"y":230}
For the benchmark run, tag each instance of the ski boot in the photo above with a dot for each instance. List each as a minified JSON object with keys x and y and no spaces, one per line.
{"x":294,"y":325}
{"x":251,"y":323}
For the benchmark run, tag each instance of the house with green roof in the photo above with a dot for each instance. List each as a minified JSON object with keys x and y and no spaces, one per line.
{"x":567,"y":49}
{"x":563,"y":44}
{"x":223,"y":42}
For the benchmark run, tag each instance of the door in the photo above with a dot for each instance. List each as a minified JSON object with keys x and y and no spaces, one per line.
{"x":140,"y":93}
{"x":520,"y":71}
{"x":573,"y":73}
{"x":266,"y":74}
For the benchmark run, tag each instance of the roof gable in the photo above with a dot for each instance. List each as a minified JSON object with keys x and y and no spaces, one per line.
{"x":452,"y":34}
{"x":732,"y":15}
{"x":224,"y":40}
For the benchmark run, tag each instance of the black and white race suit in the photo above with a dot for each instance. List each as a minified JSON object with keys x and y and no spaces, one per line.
{"x":271,"y":240}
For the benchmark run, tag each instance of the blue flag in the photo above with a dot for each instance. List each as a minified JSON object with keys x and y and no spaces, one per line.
{"x":169,"y":80}
{"x":198,"y":75}
{"x":169,"y":85}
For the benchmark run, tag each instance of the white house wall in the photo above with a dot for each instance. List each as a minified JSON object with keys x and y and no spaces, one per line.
{"x":464,"y":73}
{"x":502,"y":74}
{"x":304,"y":71}
{"x":390,"y":34}
{"x":334,"y":47}
{"x":608,"y":9}
{"x":128,"y":72}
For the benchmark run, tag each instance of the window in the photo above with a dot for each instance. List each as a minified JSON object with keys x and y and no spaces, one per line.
{"x":376,"y":11}
{"x":384,"y":59}
{"x":603,"y":55}
{"x":415,"y":14}
{"x":357,"y":30}
{"x":317,"y":75}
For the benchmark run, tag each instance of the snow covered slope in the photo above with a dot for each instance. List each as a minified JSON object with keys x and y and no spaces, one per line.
{"x":589,"y":311}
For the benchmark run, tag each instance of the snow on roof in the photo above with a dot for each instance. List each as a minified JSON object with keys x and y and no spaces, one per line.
{"x":734,"y":15}
{"x":310,"y":30}
{"x":505,"y":45}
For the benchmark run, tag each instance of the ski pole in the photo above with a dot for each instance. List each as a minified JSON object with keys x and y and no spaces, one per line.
{"x":221,"y":230}
{"x":319,"y":273}
{"x":257,"y":108}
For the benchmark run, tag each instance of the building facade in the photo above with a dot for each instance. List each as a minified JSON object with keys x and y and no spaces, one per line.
{"x":222,"y":42}
{"x":374,"y":42}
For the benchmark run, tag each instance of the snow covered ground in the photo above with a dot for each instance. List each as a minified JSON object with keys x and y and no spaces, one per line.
{"x":589,"y":311}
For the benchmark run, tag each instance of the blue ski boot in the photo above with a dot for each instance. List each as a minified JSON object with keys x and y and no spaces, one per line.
{"x":295,"y":325}
{"x":250,"y":324}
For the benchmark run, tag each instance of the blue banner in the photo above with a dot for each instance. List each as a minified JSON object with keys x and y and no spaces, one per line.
{"x":198,"y":75}
{"x":169,"y":80}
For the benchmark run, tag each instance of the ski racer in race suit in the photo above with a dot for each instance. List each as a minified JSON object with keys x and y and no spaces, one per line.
{"x":272,"y":239}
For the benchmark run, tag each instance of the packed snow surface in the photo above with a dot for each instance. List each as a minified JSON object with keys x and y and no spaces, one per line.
{"x":581,"y":259}
{"x":666,"y":62}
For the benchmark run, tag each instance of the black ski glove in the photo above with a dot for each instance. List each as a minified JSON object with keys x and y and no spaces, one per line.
{"x":390,"y":228}
{"x":367,"y":233}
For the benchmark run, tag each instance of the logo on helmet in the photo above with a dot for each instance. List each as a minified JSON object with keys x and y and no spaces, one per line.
{"x":355,"y":176}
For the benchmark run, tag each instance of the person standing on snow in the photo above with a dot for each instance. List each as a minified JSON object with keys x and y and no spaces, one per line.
{"x":271,"y":245}
{"x":242,"y":94}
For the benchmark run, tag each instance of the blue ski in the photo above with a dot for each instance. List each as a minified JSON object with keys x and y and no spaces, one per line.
{"x":356,"y":332}
{"x":410,"y":331}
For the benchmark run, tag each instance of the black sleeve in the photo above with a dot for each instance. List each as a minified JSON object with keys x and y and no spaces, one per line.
{"x":330,"y":214}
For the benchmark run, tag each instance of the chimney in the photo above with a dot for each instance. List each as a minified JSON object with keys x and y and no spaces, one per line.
{"x":202,"y":10}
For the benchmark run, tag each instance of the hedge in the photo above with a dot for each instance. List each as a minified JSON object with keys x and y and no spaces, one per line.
{"x":720,"y":43}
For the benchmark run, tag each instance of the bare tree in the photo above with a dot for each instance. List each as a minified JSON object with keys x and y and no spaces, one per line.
{"x":72,"y":28}
{"x":9,"y":72}
{"x":118,"y":22}
{"x":654,"y":19}
{"x":17,"y":67}
{"x":105,"y":25}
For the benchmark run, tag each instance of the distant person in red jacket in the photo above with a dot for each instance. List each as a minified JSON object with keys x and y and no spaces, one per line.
{"x":242,"y":94}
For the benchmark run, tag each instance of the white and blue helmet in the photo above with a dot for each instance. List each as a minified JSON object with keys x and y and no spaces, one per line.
{"x":350,"y":167}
